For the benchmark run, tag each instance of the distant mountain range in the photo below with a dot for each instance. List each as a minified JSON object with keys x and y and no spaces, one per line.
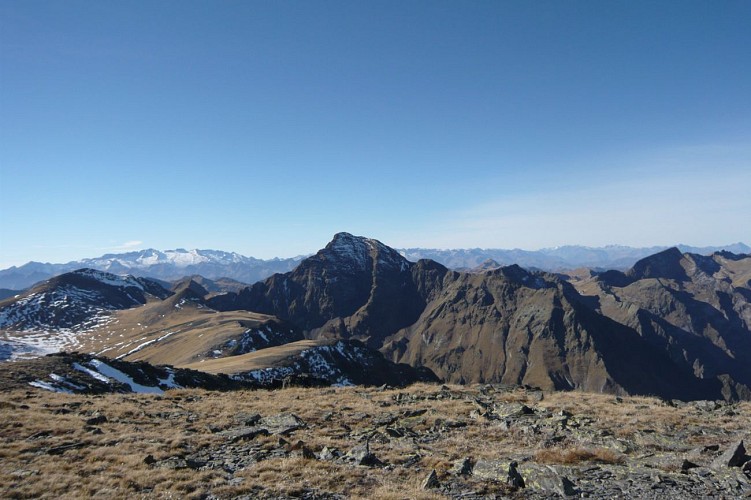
{"x":558,"y":258}
{"x":168,"y":265}
{"x":172,"y":265}
{"x":675,"y":324}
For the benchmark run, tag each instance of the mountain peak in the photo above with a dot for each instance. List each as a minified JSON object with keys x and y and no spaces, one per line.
{"x":104,"y":278}
{"x":349,"y":240}
{"x":192,"y":287}
{"x":359,"y":250}
{"x":665,"y":264}
{"x":345,"y":247}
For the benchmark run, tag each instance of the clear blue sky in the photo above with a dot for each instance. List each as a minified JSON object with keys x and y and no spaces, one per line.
{"x":266,"y":127}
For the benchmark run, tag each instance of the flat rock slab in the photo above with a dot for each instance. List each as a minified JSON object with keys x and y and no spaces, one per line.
{"x":284,"y":423}
{"x":495,"y":470}
{"x":244,"y":433}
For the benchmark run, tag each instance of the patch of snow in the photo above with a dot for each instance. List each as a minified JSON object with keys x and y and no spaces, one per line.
{"x":116,"y":374}
{"x":34,"y":344}
{"x":12,"y":350}
{"x":62,"y":380}
{"x":170,"y":381}
{"x":165,"y":336}
{"x":49,"y":387}
{"x":137,"y":348}
{"x":91,"y":373}
{"x":110,"y":279}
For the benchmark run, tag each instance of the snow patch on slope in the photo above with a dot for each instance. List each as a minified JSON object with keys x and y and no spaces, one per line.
{"x":123,"y":378}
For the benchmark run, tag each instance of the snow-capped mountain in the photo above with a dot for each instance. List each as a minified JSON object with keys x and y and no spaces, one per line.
{"x":179,"y":258}
{"x":166,"y":265}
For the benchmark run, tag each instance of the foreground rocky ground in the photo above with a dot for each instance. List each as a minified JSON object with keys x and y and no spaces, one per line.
{"x":425,"y":441}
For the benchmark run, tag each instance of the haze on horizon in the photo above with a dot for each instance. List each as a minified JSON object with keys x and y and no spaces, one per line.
{"x":266,"y":127}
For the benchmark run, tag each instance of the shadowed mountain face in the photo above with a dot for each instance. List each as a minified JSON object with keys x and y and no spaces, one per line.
{"x":696,"y":308}
{"x":507,"y":325}
{"x":355,"y":287}
{"x":515,"y":327}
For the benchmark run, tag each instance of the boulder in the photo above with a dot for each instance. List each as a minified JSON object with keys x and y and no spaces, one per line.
{"x":361,"y":455}
{"x":431,"y":481}
{"x":244,"y":433}
{"x":687,"y":464}
{"x":548,"y":479}
{"x":490,"y":469}
{"x":514,"y":478}
{"x":96,"y":420}
{"x":462,"y":467}
{"x":283,"y":423}
{"x":734,"y":456}
{"x":329,"y":453}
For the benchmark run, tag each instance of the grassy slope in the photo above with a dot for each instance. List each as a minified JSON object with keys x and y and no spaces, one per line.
{"x":188,"y":333}
{"x":264,"y":358}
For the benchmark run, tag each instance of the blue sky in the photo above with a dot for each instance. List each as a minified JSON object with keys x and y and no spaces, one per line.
{"x":266,"y":127}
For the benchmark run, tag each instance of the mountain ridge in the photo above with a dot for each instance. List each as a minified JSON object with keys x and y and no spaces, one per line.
{"x":675,"y":324}
{"x":215,"y":264}
{"x":507,"y":325}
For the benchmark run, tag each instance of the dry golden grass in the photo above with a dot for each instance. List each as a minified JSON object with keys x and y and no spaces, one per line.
{"x":570,"y":456}
{"x":188,"y":332}
{"x":263,"y":358}
{"x":184,"y":422}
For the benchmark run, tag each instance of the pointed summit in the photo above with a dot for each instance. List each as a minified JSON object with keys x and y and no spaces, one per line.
{"x":360,"y":253}
{"x":190,"y":289}
{"x":345,"y":247}
{"x":486,"y":265}
{"x":665,"y":264}
{"x":353,"y":277}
